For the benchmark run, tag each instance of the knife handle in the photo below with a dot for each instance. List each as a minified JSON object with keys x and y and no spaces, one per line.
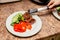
{"x":43,"y":8}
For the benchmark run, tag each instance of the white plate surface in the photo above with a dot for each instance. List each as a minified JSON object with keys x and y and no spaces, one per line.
{"x":36,"y":27}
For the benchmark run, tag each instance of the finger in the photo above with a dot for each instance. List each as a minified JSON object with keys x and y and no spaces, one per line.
{"x":51,"y":2}
{"x":53,"y":9}
{"x":52,"y":5}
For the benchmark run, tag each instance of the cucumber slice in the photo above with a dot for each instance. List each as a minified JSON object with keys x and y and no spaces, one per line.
{"x":17,"y":18}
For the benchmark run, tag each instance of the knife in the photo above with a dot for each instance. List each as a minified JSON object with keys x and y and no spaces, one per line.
{"x":38,"y":9}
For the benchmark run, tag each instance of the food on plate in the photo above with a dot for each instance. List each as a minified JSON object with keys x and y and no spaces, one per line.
{"x":59,"y":13}
{"x":22,"y":26}
{"x":58,"y":9}
{"x":19,"y":28}
{"x":27,"y":15}
{"x":17,"y":18}
{"x":29,"y":18}
{"x":22,"y":22}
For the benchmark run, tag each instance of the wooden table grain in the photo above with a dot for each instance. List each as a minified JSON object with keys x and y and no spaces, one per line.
{"x":50,"y":24}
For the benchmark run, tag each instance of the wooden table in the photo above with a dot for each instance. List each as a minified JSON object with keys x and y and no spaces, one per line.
{"x":50,"y":25}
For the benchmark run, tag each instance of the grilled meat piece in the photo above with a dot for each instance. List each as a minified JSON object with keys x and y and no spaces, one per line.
{"x":27,"y":15}
{"x":29,"y":18}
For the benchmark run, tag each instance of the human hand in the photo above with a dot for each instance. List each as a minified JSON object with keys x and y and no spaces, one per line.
{"x":53,"y":3}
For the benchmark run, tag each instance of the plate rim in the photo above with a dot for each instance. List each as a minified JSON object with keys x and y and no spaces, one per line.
{"x":55,"y":13}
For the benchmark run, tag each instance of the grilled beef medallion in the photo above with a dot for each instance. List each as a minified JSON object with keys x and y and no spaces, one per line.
{"x":29,"y":18}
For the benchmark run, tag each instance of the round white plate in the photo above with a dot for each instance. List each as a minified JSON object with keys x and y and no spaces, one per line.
{"x":55,"y":13}
{"x":36,"y":27}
